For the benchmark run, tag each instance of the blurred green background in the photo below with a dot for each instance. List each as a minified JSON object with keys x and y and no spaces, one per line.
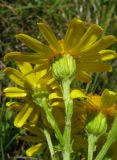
{"x":21,"y":16}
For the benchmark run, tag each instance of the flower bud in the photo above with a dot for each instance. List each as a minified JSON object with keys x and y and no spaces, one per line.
{"x":64,"y":68}
{"x":98,"y":125}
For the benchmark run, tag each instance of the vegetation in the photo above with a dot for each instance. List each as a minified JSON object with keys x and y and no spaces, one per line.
{"x":22,"y":16}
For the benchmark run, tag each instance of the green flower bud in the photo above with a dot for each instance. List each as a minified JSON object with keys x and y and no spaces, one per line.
{"x":64,"y":68}
{"x":97,"y":125}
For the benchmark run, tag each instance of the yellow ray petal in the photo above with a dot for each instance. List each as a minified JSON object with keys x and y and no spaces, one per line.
{"x":23,"y":115}
{"x":32,"y":139}
{"x":51,"y":82}
{"x":34,"y":130}
{"x":103,"y":55}
{"x":108,"y":98}
{"x":25,"y":57}
{"x":34,"y":116}
{"x":38,"y":68}
{"x":34,"y":44}
{"x":14,"y":92}
{"x":107,"y":54}
{"x":8,"y":104}
{"x":47,"y":78}
{"x":99,"y":45}
{"x":55,"y":96}
{"x":20,"y":115}
{"x":88,"y":38}
{"x":40,"y":73}
{"x":49,"y":36}
{"x":77,"y":94}
{"x":45,"y":81}
{"x":26,"y":68}
{"x":57,"y":104}
{"x":83,"y":76}
{"x":16,"y":76}
{"x":54,"y":85}
{"x":74,"y":33}
{"x":89,"y":57}
{"x":95,"y":67}
{"x":14,"y":105}
{"x":35,"y":149}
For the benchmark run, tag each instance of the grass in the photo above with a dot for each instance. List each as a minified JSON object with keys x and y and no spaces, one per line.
{"x":22,"y":16}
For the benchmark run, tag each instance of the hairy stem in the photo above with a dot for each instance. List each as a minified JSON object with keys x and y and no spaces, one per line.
{"x":91,"y":146}
{"x":49,"y":141}
{"x":51,"y":120}
{"x":69,"y":112}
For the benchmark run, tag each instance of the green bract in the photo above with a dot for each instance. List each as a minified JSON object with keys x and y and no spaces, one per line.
{"x":64,"y":68}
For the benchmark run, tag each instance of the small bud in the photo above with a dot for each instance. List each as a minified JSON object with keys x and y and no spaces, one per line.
{"x":64,"y":68}
{"x":98,"y":125}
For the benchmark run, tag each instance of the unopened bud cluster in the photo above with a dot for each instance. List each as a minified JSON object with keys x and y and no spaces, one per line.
{"x":98,"y":125}
{"x":64,"y":68}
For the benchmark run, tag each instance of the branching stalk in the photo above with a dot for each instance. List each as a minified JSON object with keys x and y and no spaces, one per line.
{"x":112,"y":136}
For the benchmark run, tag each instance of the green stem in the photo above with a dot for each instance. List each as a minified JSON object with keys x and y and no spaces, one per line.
{"x":51,"y":120}
{"x":91,"y":146}
{"x":49,"y":141}
{"x":112,"y":136}
{"x":87,"y":87}
{"x":106,"y":18}
{"x":69,"y":112}
{"x":94,"y":83}
{"x":2,"y":150}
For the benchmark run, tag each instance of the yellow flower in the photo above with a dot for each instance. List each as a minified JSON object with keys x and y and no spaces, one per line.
{"x":28,"y":83}
{"x":28,"y":111}
{"x":36,"y":135}
{"x":106,"y":103}
{"x":79,"y":41}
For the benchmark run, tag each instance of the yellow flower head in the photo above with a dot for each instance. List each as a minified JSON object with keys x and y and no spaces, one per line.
{"x":36,"y":135}
{"x":27,"y":84}
{"x":79,"y":41}
{"x":106,"y":103}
